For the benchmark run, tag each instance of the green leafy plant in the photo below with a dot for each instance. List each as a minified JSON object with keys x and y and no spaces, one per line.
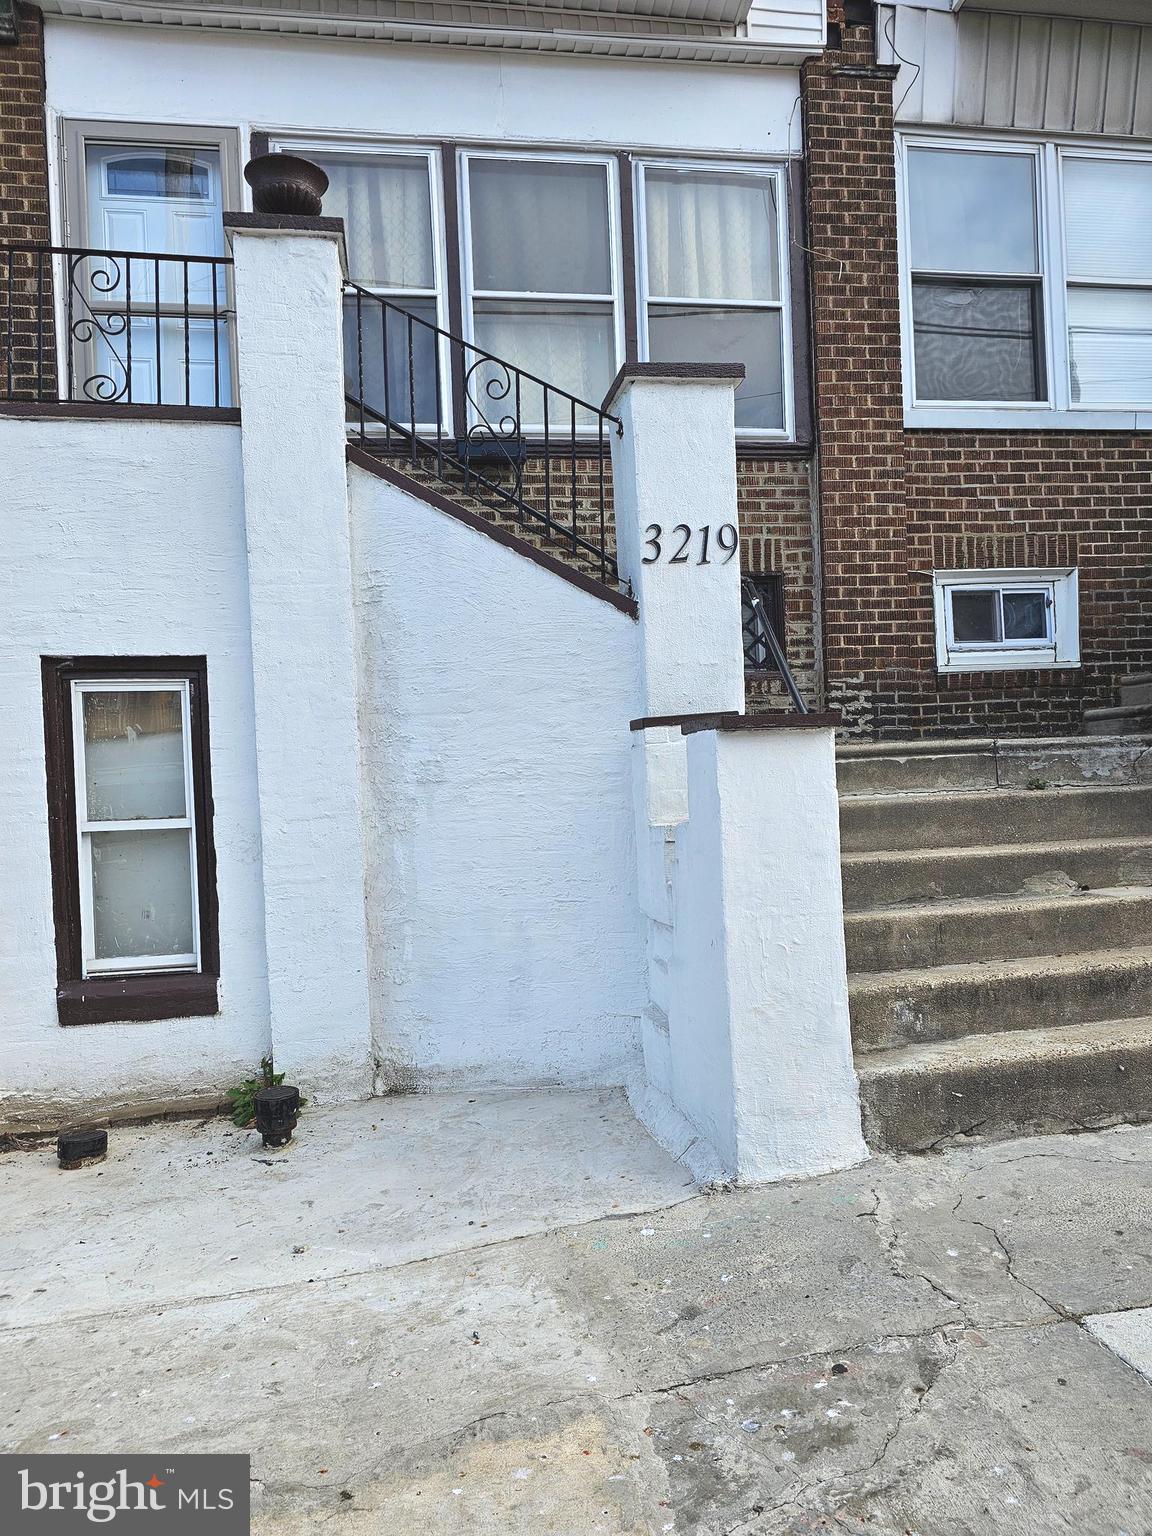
{"x":244,"y":1097}
{"x":1037,"y":783}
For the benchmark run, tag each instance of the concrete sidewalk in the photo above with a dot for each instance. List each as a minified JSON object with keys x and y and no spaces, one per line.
{"x":508,"y":1313}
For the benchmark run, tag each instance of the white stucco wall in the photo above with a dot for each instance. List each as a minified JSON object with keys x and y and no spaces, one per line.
{"x":123,"y":538}
{"x":303,"y":84}
{"x":505,"y":937}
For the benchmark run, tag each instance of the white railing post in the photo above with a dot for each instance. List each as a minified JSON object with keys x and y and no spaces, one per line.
{"x":288,"y":278}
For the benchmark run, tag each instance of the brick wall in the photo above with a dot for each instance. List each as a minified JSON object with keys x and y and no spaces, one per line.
{"x":897,"y":504}
{"x":774,"y":497}
{"x":25,"y":283}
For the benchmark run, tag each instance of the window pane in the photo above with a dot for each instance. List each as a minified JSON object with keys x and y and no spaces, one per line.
{"x":539,"y":227}
{"x":972,"y":212}
{"x":194,"y":367}
{"x":380,"y":327}
{"x":1108,"y":218}
{"x":1110,"y":345}
{"x":386,"y":206}
{"x":975,"y":343}
{"x":570,"y":345}
{"x":678,"y":334}
{"x":1025,"y":615}
{"x":166,"y":173}
{"x":133,"y":754}
{"x":711,"y":236}
{"x":142,"y":894}
{"x":976,"y":617}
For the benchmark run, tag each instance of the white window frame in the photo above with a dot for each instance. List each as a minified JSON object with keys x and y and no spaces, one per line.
{"x":374,"y":150}
{"x":1061,"y":648}
{"x":120,"y":964}
{"x":779,"y":173}
{"x":1057,"y":412}
{"x":469,"y":293}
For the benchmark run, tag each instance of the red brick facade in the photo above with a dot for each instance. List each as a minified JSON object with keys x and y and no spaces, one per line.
{"x":23,"y":145}
{"x":897,"y":504}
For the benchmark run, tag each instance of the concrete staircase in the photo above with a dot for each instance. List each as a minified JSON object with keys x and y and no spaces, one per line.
{"x":1133,"y":715}
{"x":998,"y":924}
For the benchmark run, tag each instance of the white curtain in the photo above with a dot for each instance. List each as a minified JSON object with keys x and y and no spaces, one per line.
{"x":386,"y":207}
{"x":539,"y":226}
{"x":711,"y":235}
{"x":1108,"y":230}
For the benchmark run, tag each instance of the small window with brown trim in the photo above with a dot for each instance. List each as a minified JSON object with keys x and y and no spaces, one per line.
{"x":130,"y":823}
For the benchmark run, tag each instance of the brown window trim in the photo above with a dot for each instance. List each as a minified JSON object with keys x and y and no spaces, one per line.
{"x":157,"y":994}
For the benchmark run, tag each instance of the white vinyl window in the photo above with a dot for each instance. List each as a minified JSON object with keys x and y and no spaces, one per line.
{"x":713,"y":277}
{"x":541,"y":279}
{"x":389,"y":202}
{"x":1027,"y":283}
{"x":135,"y":826}
{"x":1002,"y":620}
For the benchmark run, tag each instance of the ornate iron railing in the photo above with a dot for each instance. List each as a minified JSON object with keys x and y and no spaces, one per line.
{"x":115,"y":327}
{"x":762,"y":649}
{"x":489,"y":431}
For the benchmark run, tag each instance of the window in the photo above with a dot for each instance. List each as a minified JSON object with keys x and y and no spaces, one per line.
{"x":129,"y":813}
{"x":998,"y":620}
{"x":1028,"y":283}
{"x":762,"y":598}
{"x":391,"y":228}
{"x":540,"y":263}
{"x":714,"y":279}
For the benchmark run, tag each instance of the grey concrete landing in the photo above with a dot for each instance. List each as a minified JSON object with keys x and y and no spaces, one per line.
{"x":909,"y":1347}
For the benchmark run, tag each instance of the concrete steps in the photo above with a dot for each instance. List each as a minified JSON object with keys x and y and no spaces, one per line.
{"x":999,"y":937}
{"x":1133,"y":715}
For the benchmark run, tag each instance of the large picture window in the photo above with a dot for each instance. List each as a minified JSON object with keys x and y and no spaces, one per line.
{"x":714,"y":279}
{"x":132,"y":854}
{"x":1028,"y":281}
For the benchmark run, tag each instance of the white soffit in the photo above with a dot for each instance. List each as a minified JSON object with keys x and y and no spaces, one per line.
{"x":1085,"y":10}
{"x":990,"y":69}
{"x":595,"y":28}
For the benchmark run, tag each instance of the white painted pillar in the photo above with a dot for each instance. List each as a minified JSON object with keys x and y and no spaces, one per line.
{"x":759,"y":1034}
{"x":289,"y":358}
{"x":674,"y":470}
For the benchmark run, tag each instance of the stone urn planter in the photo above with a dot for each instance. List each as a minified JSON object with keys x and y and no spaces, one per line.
{"x":286,"y":184}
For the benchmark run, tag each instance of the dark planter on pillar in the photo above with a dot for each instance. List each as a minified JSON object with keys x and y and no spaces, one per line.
{"x":286,"y":184}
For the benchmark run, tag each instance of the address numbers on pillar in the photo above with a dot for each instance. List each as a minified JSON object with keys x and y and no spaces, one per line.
{"x":683,"y":545}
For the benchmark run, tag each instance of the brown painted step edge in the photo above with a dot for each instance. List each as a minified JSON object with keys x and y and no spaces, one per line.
{"x":433,"y":498}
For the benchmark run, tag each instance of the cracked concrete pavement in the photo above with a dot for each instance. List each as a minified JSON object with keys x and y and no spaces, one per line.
{"x":511,"y":1314}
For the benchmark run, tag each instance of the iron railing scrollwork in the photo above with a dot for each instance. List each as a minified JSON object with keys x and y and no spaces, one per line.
{"x":762,"y":649}
{"x":490,"y":431}
{"x":115,"y":327}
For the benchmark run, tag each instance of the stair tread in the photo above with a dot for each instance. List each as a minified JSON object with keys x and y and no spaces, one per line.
{"x":976,"y":850}
{"x":1007,"y":901}
{"x":1008,"y":1046}
{"x":862,"y":982}
{"x":930,"y":797}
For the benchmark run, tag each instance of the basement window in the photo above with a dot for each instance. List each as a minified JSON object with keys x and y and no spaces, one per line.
{"x":988,"y":621}
{"x":130,"y":820}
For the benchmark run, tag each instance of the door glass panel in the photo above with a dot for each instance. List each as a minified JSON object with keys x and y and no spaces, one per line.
{"x":203,"y":377}
{"x":683,"y":334}
{"x":976,"y":617}
{"x":133,"y":754}
{"x":975,"y":342}
{"x":972,"y":212}
{"x":539,"y":227}
{"x":164,"y":198}
{"x":1025,"y":615}
{"x":570,"y":345}
{"x":711,"y":236}
{"x":142,"y":894}
{"x":162,"y":173}
{"x":386,"y":204}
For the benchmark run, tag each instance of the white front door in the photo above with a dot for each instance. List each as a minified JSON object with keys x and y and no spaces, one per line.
{"x":156,"y":335}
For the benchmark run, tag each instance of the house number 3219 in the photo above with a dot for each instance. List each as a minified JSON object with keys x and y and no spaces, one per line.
{"x":682,"y":544}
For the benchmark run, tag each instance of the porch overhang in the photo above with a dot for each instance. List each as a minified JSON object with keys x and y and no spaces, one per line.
{"x":703,"y":31}
{"x":1080,"y":10}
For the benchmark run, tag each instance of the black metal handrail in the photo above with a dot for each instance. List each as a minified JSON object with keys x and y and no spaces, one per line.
{"x":114,"y":327}
{"x":760,"y":637}
{"x":497,"y":434}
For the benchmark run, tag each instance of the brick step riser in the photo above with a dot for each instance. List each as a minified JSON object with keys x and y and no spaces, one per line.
{"x":905,"y":1014}
{"x":1044,"y":1095}
{"x":1134,"y":722}
{"x":894,"y":941}
{"x":988,"y":820}
{"x":1000,"y":872}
